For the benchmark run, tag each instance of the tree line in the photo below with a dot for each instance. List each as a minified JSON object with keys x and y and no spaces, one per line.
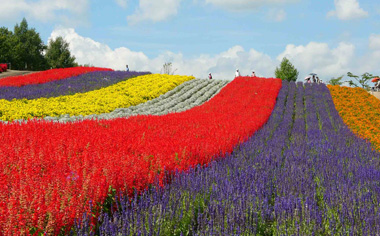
{"x":24,"y":49}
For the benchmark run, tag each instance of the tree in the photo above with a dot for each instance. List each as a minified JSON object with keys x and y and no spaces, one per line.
{"x":286,"y":71}
{"x":336,"y":81}
{"x":167,"y":69}
{"x":58,"y":54}
{"x":363,"y":81}
{"x":28,"y":49}
{"x":6,"y":45}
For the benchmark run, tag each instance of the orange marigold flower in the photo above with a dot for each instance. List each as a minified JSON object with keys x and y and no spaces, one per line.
{"x":359,"y":111}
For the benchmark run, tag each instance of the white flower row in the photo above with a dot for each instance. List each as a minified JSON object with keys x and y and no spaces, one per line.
{"x":185,"y":96}
{"x":185,"y":99}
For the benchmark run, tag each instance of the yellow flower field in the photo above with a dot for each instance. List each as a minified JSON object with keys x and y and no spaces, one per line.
{"x":124,"y":94}
{"x":359,"y":110}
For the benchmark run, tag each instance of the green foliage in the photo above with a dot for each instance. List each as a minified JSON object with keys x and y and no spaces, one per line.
{"x":363,"y":81}
{"x":58,"y":54}
{"x":336,"y":81}
{"x":24,"y":49}
{"x":286,"y":71}
{"x":27,"y":48}
{"x":6,"y":37}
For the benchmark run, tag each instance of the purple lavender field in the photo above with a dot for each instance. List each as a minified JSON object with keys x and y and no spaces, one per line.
{"x":77,"y":84}
{"x":303,"y":173}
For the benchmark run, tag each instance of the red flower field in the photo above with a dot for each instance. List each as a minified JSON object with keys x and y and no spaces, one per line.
{"x":52,"y":171}
{"x":46,"y":76}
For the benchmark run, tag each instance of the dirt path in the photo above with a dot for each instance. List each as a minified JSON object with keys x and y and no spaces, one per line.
{"x":376,"y":94}
{"x":14,"y":73}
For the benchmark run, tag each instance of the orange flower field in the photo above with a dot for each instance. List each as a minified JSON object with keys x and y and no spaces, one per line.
{"x":359,"y":110}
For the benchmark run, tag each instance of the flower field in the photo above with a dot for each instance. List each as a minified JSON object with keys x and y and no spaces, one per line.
{"x":133,"y":153}
{"x":190,"y":94}
{"x":303,"y":173}
{"x":123,"y":94}
{"x":46,"y":76}
{"x":53,"y":171}
{"x":77,"y":84}
{"x":359,"y":110}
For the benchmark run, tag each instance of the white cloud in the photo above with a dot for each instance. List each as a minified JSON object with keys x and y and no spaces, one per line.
{"x":153,"y":10}
{"x":43,"y":10}
{"x":374,"y":42}
{"x":246,"y":4}
{"x":320,"y":58}
{"x":276,"y":15}
{"x":88,"y":51}
{"x":222,"y":66}
{"x":371,"y":60}
{"x":315,"y":57}
{"x":347,"y":10}
{"x":122,"y":3}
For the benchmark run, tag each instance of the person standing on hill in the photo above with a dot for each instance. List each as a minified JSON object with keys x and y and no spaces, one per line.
{"x":314,"y":79}
{"x":237,"y":73}
{"x":253,"y":74}
{"x":318,"y":80}
{"x":377,"y":86}
{"x":127,"y":68}
{"x":308,"y":79}
{"x":209,"y":76}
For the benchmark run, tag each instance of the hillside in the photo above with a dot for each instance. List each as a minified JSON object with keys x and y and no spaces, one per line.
{"x":180,"y":155}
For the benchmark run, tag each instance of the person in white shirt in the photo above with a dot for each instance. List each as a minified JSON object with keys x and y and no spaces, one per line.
{"x":253,"y":74}
{"x":237,"y":73}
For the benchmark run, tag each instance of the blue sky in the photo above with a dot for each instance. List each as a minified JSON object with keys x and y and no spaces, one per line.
{"x":201,"y":36}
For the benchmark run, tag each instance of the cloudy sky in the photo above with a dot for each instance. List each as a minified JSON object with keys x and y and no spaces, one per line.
{"x":329,"y":37}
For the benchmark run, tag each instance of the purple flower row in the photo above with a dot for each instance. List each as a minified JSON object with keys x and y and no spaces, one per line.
{"x":303,"y":173}
{"x":77,"y":84}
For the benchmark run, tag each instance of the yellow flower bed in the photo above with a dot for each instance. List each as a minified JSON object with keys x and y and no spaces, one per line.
{"x":121,"y":95}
